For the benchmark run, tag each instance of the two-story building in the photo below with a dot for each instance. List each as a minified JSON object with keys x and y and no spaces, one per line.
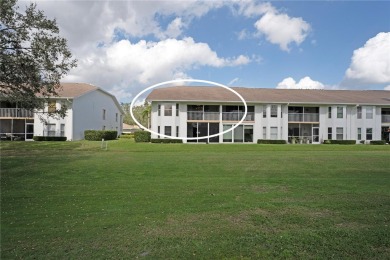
{"x":301,"y":115}
{"x":88,"y":108}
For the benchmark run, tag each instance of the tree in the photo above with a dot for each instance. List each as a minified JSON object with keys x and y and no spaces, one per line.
{"x":33,"y":56}
{"x":140,"y":112}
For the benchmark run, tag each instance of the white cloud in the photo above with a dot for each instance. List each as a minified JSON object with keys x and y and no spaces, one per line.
{"x":123,"y":63}
{"x":282,"y":30}
{"x":277,"y":27}
{"x":304,"y":83}
{"x":387,"y":88}
{"x":95,"y":21}
{"x":371,"y":63}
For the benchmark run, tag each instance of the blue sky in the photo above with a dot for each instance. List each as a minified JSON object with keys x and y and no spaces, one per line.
{"x":126,"y":46}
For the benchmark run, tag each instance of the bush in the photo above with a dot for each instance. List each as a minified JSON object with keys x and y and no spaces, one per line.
{"x":265,"y":141}
{"x":126,"y":136}
{"x":166,"y":141}
{"x":378,"y":142}
{"x":339,"y":141}
{"x":49,"y":138}
{"x":142,"y":137}
{"x":97,"y":135}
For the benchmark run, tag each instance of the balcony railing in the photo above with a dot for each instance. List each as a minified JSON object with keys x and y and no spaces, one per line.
{"x":385,"y":118}
{"x":198,"y":115}
{"x":236,"y":116}
{"x":306,"y":117}
{"x":15,"y":112}
{"x":226,"y":116}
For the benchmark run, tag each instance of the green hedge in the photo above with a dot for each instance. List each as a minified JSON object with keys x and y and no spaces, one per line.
{"x":266,"y":141}
{"x":49,"y":138}
{"x":166,"y":141}
{"x":142,"y":137}
{"x":378,"y":142}
{"x":339,"y":141}
{"x":126,"y":136}
{"x":98,"y":135}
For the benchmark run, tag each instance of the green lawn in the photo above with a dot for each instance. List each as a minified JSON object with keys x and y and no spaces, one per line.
{"x":174,"y":201}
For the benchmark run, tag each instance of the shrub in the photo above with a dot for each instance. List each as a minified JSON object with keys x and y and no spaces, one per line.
{"x":378,"y":142}
{"x":265,"y":141}
{"x":126,"y":136}
{"x":49,"y":138}
{"x":166,"y":141}
{"x":97,"y":135}
{"x":362,"y":142}
{"x":142,"y":137}
{"x":339,"y":141}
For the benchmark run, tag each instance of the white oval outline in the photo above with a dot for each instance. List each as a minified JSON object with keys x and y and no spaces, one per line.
{"x":189,"y":80}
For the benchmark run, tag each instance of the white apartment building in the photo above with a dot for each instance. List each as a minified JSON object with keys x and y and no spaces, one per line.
{"x":307,"y":116}
{"x":88,"y":108}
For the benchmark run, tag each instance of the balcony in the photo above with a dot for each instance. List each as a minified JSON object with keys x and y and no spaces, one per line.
{"x":199,"y":115}
{"x":237,"y":116}
{"x":385,"y":118}
{"x":303,"y":117}
{"x":215,"y":116}
{"x":16,"y":112}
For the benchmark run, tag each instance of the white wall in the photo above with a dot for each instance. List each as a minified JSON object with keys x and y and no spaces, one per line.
{"x":88,"y":114}
{"x":40,"y":127}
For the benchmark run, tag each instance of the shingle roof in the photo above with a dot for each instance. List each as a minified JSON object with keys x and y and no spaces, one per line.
{"x":72,"y":90}
{"x":262,"y":95}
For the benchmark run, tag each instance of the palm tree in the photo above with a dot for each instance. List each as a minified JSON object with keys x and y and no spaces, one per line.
{"x":146,"y":113}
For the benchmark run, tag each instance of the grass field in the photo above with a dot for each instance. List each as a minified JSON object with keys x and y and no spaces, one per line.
{"x":173,"y":201}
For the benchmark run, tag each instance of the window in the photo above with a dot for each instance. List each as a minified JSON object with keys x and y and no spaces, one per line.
{"x":274,"y":111}
{"x":359,"y":134}
{"x":177,"y":109}
{"x":104,"y":114}
{"x":62,"y":129}
{"x":264,"y":132}
{"x":369,"y":134}
{"x":274,"y":133}
{"x":227,"y":137}
{"x":158,"y":131}
{"x":177,"y":131}
{"x":238,"y":134}
{"x":264,"y":111}
{"x":116,"y":117}
{"x":329,"y":112}
{"x":159,"y":110}
{"x":51,"y":129}
{"x":248,"y":133}
{"x":168,"y":130}
{"x":51,"y":106}
{"x":369,"y":113}
{"x":359,"y":113}
{"x":167,"y":110}
{"x":339,"y":133}
{"x":329,"y":133}
{"x":340,"y":111}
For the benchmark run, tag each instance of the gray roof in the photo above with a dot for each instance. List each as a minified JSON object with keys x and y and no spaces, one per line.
{"x":74,"y":90}
{"x":263,"y":95}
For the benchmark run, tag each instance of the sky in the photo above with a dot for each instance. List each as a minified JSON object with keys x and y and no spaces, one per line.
{"x":127,"y":46}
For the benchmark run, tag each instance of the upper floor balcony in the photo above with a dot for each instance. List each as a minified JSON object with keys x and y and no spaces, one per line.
{"x":216,"y":116}
{"x":385,"y":118}
{"x":16,"y":113}
{"x":303,"y":114}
